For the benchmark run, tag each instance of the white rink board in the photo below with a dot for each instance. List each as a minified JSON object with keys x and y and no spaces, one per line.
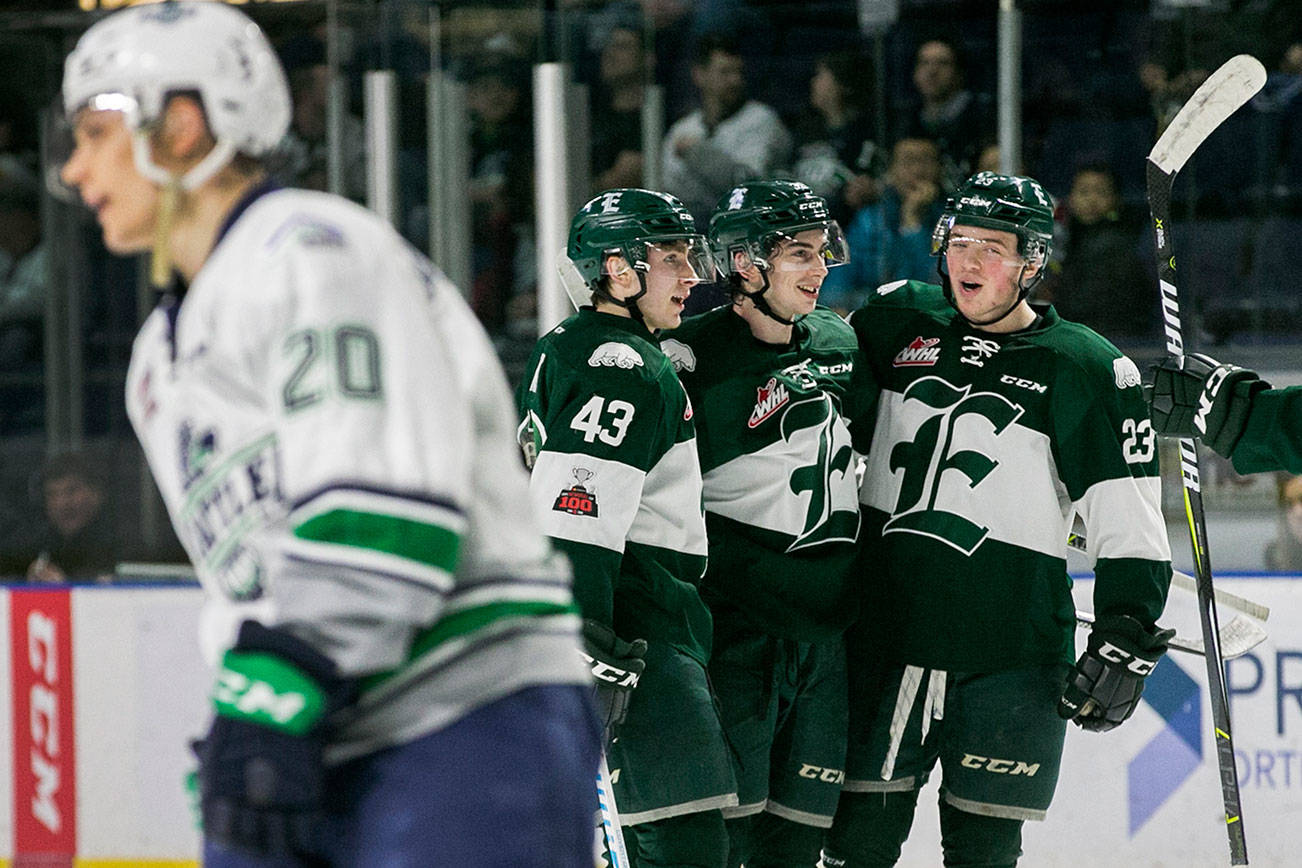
{"x":1177,"y":819}
{"x":140,"y":688}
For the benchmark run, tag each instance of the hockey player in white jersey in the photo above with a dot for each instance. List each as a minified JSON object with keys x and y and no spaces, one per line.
{"x":398,"y":671}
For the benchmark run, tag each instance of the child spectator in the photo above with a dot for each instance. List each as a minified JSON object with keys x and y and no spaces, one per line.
{"x":1284,"y":552}
{"x":79,"y":540}
{"x":1100,"y":280}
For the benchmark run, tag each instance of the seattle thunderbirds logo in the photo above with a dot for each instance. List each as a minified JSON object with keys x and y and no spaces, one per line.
{"x":1161,"y":766}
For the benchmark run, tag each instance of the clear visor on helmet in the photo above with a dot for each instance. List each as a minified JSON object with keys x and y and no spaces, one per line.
{"x":803,"y":249}
{"x":686,"y":256}
{"x":985,"y":251}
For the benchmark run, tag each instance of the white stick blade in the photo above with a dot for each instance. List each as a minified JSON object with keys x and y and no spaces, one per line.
{"x":1224,"y":91}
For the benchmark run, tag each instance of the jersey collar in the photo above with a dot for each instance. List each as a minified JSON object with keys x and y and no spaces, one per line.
{"x":254,"y":193}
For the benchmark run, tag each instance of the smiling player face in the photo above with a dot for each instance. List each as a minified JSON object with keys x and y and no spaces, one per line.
{"x":799,"y":269}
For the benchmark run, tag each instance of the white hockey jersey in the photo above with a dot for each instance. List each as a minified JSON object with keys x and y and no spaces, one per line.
{"x":334,"y":440}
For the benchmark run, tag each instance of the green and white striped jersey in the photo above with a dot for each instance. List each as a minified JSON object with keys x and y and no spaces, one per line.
{"x":333,"y":437}
{"x":984,"y":450}
{"x":616,"y":477}
{"x":780,"y":495}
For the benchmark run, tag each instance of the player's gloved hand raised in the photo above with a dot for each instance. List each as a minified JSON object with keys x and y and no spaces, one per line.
{"x":616,"y":667}
{"x":1197,"y":396}
{"x":1104,"y":687}
{"x":260,"y":766}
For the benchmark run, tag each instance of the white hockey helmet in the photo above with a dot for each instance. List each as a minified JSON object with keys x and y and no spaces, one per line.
{"x":133,"y":60}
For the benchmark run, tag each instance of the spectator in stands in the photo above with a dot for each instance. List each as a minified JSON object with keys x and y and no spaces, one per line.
{"x":729,"y":139}
{"x":23,"y":271}
{"x":836,"y":151}
{"x":79,"y":540}
{"x":945,"y":111}
{"x":501,"y":179}
{"x":890,"y":239}
{"x":988,"y":159}
{"x":624,"y":71}
{"x":1100,"y":280}
{"x":305,"y":148}
{"x":1284,"y":552}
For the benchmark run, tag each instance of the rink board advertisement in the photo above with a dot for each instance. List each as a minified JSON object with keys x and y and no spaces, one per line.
{"x":105,"y":688}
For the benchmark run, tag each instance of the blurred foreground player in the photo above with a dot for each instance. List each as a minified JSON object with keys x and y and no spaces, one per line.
{"x":399,"y":680}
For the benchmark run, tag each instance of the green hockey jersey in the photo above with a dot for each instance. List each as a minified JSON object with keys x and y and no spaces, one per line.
{"x":778,"y":468}
{"x":1273,"y":438}
{"x":986,"y":449}
{"x":616,"y":477}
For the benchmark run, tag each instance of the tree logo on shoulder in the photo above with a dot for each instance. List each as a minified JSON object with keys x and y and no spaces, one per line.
{"x":613,"y":354}
{"x":769,"y":398}
{"x":938,"y":456}
{"x":578,"y":499}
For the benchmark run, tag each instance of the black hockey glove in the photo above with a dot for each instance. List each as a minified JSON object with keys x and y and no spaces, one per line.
{"x":1104,"y":688}
{"x":260,"y":766}
{"x":616,"y":667}
{"x":1197,"y":396}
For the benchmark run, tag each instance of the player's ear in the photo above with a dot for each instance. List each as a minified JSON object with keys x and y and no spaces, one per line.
{"x":182,"y":137}
{"x":618,"y":272}
{"x":743,"y":265}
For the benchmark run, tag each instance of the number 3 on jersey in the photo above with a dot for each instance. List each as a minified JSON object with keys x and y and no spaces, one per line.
{"x":589,"y":420}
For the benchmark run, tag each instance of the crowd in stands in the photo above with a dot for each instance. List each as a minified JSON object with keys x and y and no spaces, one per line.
{"x":881,"y":122}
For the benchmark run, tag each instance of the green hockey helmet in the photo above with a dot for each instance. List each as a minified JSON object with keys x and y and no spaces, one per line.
{"x":1005,"y":202}
{"x":625,"y":222}
{"x":756,"y":216}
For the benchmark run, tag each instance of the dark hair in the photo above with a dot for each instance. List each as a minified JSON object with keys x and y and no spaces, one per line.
{"x":62,"y":465}
{"x":960,"y":62}
{"x":853,"y":71}
{"x":714,"y":41}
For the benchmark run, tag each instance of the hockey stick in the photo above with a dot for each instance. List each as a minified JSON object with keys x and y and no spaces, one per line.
{"x":1186,"y":582}
{"x":1235,"y":639}
{"x":1220,"y":95}
{"x":614,"y":835}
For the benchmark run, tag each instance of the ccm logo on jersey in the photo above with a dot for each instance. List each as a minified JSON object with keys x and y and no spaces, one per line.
{"x":1000,"y":766}
{"x":769,"y":399}
{"x":577,"y":499}
{"x":1024,"y":384}
{"x":921,"y":352}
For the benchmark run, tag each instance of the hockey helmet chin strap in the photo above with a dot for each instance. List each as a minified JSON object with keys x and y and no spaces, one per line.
{"x":761,"y":303}
{"x":602,"y":291}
